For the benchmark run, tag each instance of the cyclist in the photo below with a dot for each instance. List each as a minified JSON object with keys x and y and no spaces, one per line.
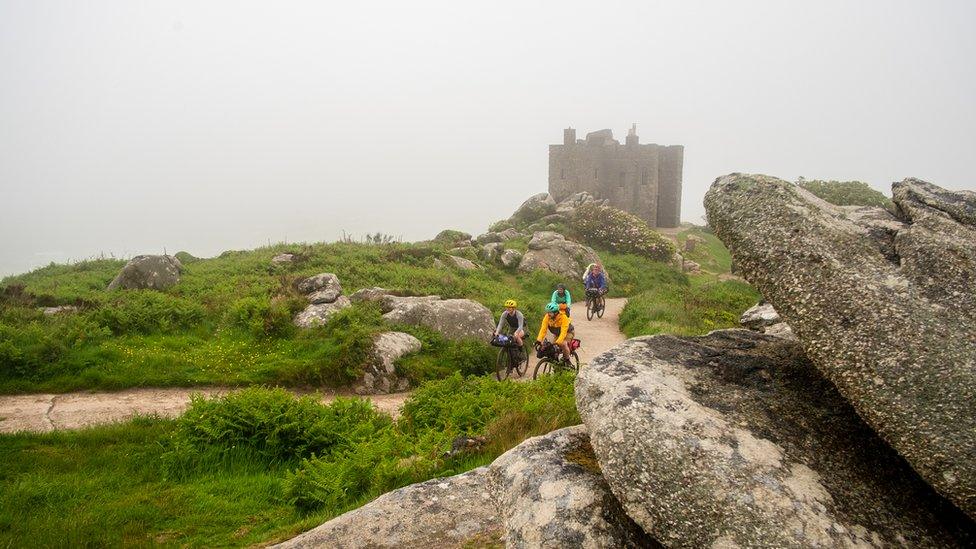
{"x":596,"y":279}
{"x":557,"y":327}
{"x":561,"y":296}
{"x":515,"y":321}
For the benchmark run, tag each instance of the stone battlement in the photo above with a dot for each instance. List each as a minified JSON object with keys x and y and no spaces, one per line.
{"x":644,"y":180}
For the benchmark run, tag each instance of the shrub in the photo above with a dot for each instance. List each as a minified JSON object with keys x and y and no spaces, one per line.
{"x":442,"y":357}
{"x":148,"y":311}
{"x":33,"y":350}
{"x":846,"y":193}
{"x":620,"y":231}
{"x":265,"y":317}
{"x":339,"y":350}
{"x":273,"y":424}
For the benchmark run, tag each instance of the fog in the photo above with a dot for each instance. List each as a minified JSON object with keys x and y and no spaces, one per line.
{"x":131,"y":127}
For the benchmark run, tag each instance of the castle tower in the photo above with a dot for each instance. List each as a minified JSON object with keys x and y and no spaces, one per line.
{"x":644,"y":180}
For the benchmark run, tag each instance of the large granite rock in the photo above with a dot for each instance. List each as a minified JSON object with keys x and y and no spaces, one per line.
{"x":510,"y":258}
{"x":321,"y":288}
{"x":537,"y":206}
{"x":550,"y":493}
{"x":444,"y":512}
{"x":884,"y":306}
{"x":452,"y":318}
{"x":759,"y":316}
{"x":393,"y":302}
{"x":568,"y":205}
{"x":379,"y":375}
{"x":456,"y":262}
{"x":736,"y":440}
{"x":545,"y":492}
{"x":148,"y":272}
{"x":374,"y":293}
{"x":552,"y":252}
{"x":318,"y":314}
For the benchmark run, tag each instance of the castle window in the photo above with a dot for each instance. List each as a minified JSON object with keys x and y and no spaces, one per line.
{"x":644,"y":176}
{"x":595,"y":174}
{"x":562,"y":173}
{"x":623,"y":179}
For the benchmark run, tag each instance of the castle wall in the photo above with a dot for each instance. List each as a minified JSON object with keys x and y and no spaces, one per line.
{"x":642,"y":179}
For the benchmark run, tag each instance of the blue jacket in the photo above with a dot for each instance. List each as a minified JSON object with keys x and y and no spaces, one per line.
{"x":595,"y":281}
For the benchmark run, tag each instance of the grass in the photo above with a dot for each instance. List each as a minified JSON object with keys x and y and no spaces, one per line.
{"x":696,"y":307}
{"x":227,"y":322}
{"x":709,"y":252}
{"x":254,"y":467}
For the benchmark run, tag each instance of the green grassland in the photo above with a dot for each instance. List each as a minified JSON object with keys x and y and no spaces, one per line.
{"x":261,"y":465}
{"x":228,"y":321}
{"x":256,"y":466}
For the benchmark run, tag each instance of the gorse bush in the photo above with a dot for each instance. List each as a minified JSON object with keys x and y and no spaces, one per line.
{"x":846,"y":193}
{"x":148,"y":311}
{"x":620,"y":232}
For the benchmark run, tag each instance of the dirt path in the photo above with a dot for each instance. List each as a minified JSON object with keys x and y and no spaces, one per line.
{"x":47,"y":412}
{"x":597,"y":335}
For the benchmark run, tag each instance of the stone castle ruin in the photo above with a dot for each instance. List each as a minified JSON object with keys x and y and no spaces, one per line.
{"x":644,"y":180}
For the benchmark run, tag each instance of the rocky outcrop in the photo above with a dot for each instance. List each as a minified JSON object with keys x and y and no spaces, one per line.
{"x":455,"y":262}
{"x":569,"y":204}
{"x":759,"y":317}
{"x":883,"y":305}
{"x":510,"y":258}
{"x":369,"y":294}
{"x":324,"y":294}
{"x":59,"y":310}
{"x":736,"y":440}
{"x":552,"y":252}
{"x":763,"y":318}
{"x":550,"y":493}
{"x":537,"y":206}
{"x":490,"y":252}
{"x":148,"y":272}
{"x":318,"y":314}
{"x":452,"y":318}
{"x":442,"y":512}
{"x":321,"y":288}
{"x":545,"y":492}
{"x":282,"y":259}
{"x":380,"y":376}
{"x":394,"y":302}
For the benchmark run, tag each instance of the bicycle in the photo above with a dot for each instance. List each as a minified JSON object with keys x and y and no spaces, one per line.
{"x":596,"y":303}
{"x":551,"y":359}
{"x":511,"y":357}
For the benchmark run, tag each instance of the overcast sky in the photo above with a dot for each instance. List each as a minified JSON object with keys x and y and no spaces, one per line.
{"x":133,"y":127}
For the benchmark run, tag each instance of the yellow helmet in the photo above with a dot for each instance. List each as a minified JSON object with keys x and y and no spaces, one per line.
{"x":511,"y":303}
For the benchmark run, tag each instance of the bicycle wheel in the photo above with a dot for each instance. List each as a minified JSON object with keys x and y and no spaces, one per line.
{"x":574,"y":360}
{"x":503,"y":364}
{"x":523,"y":364}
{"x":590,"y":308}
{"x":603,"y":307}
{"x":542,"y":368}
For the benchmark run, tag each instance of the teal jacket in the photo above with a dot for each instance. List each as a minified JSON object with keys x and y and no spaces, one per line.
{"x":567,"y":299}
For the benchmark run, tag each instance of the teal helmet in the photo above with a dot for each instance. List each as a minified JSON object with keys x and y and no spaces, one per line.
{"x":552,"y":308}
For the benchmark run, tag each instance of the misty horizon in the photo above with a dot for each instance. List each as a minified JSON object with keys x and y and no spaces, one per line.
{"x":130,"y":129}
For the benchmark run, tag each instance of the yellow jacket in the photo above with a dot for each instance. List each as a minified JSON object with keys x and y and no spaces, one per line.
{"x":560,"y":323}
